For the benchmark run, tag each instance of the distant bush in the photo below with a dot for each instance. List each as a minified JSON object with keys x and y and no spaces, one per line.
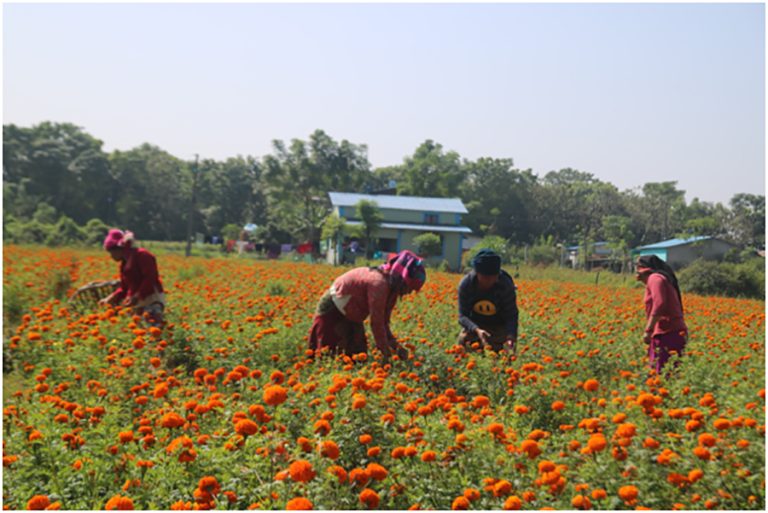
{"x":95,"y":230}
{"x":706,"y":277}
{"x":428,"y":244}
{"x":498,"y":244}
{"x":65,"y":232}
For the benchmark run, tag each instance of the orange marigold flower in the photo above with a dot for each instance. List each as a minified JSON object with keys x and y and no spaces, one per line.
{"x":627,"y":430}
{"x":495,"y":428}
{"x":581,"y":502}
{"x":722,"y":424}
{"x":531,"y":448}
{"x":329,"y":449}
{"x":299,"y":503}
{"x":513,"y":502}
{"x":125,"y":437}
{"x":301,"y":471}
{"x":558,"y":405}
{"x":591,"y":385}
{"x":246,"y":427}
{"x":365,"y":439}
{"x":38,"y":502}
{"x":501,"y":488}
{"x":460,"y":503}
{"x":546,"y":466}
{"x":359,"y":476}
{"x":596,"y":442}
{"x":472,"y":494}
{"x":119,"y":502}
{"x":599,"y":494}
{"x":209,"y":484}
{"x":707,"y":440}
{"x":322,"y":427}
{"x":702,"y":453}
{"x":428,"y":456}
{"x":628,"y":493}
{"x":275,"y":395}
{"x":376,"y":471}
{"x":480,"y":401}
{"x":339,"y":472}
{"x":370,"y":498}
{"x":172,"y":420}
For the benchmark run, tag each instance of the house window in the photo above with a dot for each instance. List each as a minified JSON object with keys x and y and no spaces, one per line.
{"x":431,"y":218}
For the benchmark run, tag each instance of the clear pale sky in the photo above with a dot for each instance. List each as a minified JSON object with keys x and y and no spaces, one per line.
{"x":632,"y":93}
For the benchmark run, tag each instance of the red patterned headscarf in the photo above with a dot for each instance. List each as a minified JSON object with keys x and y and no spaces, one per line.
{"x":405,"y":268}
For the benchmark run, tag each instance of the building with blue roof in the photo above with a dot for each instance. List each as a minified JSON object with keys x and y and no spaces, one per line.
{"x":681,"y":252}
{"x":405,"y":217}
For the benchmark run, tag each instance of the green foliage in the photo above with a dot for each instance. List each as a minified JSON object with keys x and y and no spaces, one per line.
{"x":57,"y":169}
{"x":95,"y":231}
{"x":369,"y":214}
{"x":428,"y":244}
{"x":494,"y":242}
{"x":65,"y":232}
{"x":724,"y":278}
{"x":231,"y":231}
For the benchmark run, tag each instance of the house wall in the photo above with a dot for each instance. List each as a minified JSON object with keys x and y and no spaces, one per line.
{"x":404,"y":216}
{"x":680,"y":256}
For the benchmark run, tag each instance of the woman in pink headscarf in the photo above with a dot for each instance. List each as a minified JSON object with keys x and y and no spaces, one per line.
{"x":358,"y":294}
{"x":140,"y":285}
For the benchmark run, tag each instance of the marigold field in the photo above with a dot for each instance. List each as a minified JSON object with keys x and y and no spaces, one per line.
{"x":223,"y":409}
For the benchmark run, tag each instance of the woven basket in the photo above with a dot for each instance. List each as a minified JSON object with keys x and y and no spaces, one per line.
{"x":88,"y":296}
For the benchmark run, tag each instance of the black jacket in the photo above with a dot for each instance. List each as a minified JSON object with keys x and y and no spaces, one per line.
{"x":494,"y":307}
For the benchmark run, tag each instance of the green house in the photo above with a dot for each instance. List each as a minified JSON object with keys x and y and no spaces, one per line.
{"x":405,"y":217}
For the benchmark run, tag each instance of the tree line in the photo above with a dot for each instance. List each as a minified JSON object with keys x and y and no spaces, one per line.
{"x":58,"y":173}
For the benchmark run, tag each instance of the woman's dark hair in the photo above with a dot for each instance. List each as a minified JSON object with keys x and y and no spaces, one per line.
{"x":657,"y":265}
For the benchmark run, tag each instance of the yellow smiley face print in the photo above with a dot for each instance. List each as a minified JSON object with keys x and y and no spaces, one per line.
{"x":485,"y":307}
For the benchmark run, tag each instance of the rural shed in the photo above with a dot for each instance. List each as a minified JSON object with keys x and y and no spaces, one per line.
{"x":681,"y":252}
{"x":405,"y":217}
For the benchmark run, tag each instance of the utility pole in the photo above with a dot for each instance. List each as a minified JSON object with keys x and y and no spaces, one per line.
{"x":191,"y":214}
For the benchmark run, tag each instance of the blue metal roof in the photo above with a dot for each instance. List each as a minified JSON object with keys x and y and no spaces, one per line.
{"x":417,"y":203}
{"x":420,"y":227}
{"x":674,"y":242}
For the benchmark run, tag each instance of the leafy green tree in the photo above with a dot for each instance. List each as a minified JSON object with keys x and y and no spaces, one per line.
{"x":298,"y":177}
{"x":333,"y":230}
{"x":64,"y":166}
{"x":662,"y":207}
{"x":432,"y":172}
{"x":370,"y":216}
{"x":152,"y":193}
{"x":499,"y":199}
{"x":748,"y":219}
{"x":617,"y":231}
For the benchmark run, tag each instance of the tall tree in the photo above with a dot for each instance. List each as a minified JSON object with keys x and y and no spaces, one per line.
{"x":748,"y":219}
{"x":369,"y":214}
{"x":499,"y":199}
{"x":432,"y":172}
{"x":298,"y":177}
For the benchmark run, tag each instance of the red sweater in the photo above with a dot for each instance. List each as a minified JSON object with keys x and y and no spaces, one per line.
{"x":138,"y":275}
{"x":368,"y":292}
{"x":661,"y":299}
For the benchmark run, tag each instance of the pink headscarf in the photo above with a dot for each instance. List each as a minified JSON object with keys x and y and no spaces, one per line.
{"x":406,"y":267}
{"x":118,"y":239}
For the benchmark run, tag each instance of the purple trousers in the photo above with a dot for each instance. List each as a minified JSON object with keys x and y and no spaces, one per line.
{"x":664,"y":346}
